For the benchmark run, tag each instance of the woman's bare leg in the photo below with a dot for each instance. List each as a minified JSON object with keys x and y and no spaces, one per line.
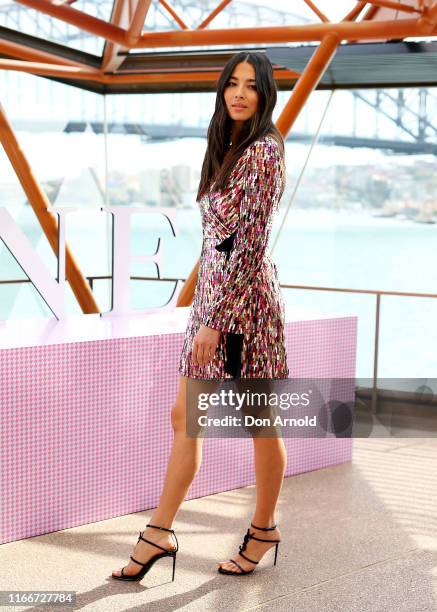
{"x":183,"y":465}
{"x":270,"y":464}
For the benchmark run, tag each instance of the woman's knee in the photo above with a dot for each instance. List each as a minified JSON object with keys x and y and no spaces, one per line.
{"x":269,"y":445}
{"x":178,"y":408}
{"x":178,"y":416}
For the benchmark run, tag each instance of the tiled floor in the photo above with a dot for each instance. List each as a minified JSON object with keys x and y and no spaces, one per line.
{"x":357,"y":536}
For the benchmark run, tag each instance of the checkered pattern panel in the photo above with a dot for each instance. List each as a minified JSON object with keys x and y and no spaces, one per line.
{"x":85,"y":428}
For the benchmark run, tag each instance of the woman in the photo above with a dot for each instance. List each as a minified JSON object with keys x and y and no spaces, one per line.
{"x":236,"y":323}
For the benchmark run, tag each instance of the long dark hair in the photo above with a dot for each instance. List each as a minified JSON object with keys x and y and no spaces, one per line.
{"x":219,"y":130}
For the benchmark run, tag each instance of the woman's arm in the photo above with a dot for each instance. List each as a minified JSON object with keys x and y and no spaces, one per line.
{"x":261,"y":190}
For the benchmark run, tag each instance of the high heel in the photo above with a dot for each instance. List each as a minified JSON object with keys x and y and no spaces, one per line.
{"x":145,"y":567}
{"x":242,"y":548}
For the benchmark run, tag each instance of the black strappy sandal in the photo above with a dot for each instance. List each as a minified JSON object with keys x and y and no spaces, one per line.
{"x":242,"y":548}
{"x":146,"y":566}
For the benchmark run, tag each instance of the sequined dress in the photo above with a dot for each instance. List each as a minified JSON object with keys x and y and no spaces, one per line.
{"x":237,"y":289}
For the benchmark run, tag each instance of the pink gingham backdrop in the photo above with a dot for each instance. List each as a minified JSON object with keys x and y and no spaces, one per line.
{"x":86,"y":433}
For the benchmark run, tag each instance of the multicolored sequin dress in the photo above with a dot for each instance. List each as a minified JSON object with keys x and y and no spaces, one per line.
{"x":237,"y":290}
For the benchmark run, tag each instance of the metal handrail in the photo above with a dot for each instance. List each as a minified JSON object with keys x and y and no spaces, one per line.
{"x":376,"y":292}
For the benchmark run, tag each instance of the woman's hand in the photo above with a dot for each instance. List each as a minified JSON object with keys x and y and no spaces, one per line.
{"x":205,"y":344}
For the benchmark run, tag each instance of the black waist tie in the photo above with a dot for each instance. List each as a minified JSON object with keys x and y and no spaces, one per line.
{"x":234,"y":345}
{"x":227,"y":244}
{"x":233,"y":342}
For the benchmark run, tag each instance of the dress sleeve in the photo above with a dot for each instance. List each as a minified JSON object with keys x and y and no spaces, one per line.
{"x":261,"y":191}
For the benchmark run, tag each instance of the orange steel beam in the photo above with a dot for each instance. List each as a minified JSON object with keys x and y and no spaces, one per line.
{"x":122,"y":17}
{"x":432,"y":14}
{"x":353,"y":13}
{"x":34,"y":55}
{"x":135,"y":28}
{"x":310,"y":78}
{"x":213,"y":14}
{"x":316,"y":10}
{"x":81,"y":20}
{"x":50,"y":69}
{"x":173,"y":13}
{"x":380,"y":13}
{"x":307,"y":82}
{"x":186,"y":294}
{"x":48,"y":220}
{"x":152,"y":76}
{"x":181,"y":77}
{"x":362,"y":30}
{"x":370,"y":14}
{"x":110,"y":59}
{"x":397,"y":6}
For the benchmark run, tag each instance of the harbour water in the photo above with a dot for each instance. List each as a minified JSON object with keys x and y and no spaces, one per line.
{"x":317,"y":248}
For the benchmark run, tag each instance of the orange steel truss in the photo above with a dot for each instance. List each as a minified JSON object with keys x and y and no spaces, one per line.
{"x":47,"y":219}
{"x":382,"y":20}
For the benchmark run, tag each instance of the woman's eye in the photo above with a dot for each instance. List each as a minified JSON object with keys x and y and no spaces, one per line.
{"x":228,"y":84}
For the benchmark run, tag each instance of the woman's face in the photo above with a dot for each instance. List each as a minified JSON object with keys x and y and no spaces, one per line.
{"x":241,"y":96}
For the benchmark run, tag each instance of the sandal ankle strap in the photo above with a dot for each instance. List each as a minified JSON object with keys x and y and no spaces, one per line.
{"x":166,"y":529}
{"x":264,"y":528}
{"x":157,"y":527}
